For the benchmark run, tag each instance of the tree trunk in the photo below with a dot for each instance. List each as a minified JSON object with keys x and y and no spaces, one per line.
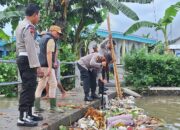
{"x":77,"y":35}
{"x":165,"y":38}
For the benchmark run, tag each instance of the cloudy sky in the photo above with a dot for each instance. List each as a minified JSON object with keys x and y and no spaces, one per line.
{"x":150,"y":12}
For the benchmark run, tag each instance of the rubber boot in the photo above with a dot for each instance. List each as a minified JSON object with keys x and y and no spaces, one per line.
{"x":34,"y":117}
{"x":37,"y":105}
{"x":53,"y":107}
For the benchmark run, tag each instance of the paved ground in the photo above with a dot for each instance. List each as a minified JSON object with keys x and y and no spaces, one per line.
{"x":9,"y":112}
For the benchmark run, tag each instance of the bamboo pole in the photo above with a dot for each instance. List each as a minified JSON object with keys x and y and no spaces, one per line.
{"x":118,"y":87}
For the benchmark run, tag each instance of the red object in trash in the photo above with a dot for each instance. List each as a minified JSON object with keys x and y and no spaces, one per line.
{"x":130,"y":128}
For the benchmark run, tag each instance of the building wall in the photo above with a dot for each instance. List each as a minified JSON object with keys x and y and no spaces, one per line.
{"x":177,"y":42}
{"x":125,"y":46}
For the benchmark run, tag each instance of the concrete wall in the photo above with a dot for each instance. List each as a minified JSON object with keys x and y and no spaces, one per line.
{"x":125,"y":46}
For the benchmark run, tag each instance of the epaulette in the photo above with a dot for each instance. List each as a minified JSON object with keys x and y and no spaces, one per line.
{"x":31,"y":28}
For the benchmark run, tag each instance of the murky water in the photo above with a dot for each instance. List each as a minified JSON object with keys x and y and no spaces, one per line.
{"x":164,"y":107}
{"x":8,"y":103}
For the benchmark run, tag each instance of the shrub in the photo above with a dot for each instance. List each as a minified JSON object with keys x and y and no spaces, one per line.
{"x":151,"y":69}
{"x":67,"y":55}
{"x":8,"y":73}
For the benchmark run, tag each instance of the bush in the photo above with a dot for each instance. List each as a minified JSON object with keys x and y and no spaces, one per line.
{"x":8,"y":73}
{"x":148,"y":69}
{"x":67,"y":55}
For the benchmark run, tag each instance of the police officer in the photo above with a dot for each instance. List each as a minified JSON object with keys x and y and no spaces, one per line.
{"x":92,"y":61}
{"x":93,"y":48}
{"x":28,"y":64}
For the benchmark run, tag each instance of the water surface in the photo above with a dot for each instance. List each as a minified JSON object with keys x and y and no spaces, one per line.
{"x":8,"y":103}
{"x":164,"y":107}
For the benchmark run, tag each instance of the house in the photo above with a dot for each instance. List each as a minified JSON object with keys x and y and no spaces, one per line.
{"x":175,"y":46}
{"x":4,"y":46}
{"x":126,"y":43}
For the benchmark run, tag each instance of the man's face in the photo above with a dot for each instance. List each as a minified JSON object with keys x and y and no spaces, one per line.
{"x":36,"y":18}
{"x":56,"y":35}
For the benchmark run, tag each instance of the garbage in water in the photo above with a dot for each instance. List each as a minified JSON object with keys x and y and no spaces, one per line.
{"x":119,"y":114}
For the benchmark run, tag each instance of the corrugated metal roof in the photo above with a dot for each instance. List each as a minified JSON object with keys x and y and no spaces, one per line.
{"x":118,"y":35}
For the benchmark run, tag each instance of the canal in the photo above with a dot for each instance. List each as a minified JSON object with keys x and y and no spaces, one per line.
{"x":164,"y":107}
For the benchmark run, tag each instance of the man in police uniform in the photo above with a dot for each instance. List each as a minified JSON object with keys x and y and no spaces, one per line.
{"x":47,"y":58}
{"x":92,"y":61}
{"x":28,"y":64}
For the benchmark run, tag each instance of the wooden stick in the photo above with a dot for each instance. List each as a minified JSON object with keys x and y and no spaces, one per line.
{"x":118,"y":87}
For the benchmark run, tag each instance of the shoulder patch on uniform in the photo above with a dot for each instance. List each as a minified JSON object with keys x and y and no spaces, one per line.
{"x":30,"y":27}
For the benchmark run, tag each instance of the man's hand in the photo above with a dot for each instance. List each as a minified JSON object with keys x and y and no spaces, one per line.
{"x":56,"y":65}
{"x":40,"y":73}
{"x":104,"y":81}
{"x":63,"y":94}
{"x":48,"y":72}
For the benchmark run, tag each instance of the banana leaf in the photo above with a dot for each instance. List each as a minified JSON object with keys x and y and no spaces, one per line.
{"x":135,"y":27}
{"x":3,"y":35}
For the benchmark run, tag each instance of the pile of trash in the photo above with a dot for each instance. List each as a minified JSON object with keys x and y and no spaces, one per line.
{"x":124,"y":115}
{"x":119,"y":114}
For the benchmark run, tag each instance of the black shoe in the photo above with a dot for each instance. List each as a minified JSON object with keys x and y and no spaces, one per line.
{"x":105,"y":89}
{"x":88,"y":98}
{"x":95,"y":96}
{"x":104,"y":93}
{"x":35,"y":117}
{"x":26,"y":122}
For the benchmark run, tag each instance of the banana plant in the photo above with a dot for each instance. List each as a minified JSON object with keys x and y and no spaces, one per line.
{"x":10,"y":14}
{"x":86,"y":12}
{"x":161,"y":25}
{"x":3,"y":35}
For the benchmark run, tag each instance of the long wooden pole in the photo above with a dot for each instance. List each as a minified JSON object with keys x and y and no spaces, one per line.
{"x":118,"y":86}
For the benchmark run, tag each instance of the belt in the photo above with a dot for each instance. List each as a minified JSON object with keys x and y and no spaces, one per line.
{"x":23,"y":54}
